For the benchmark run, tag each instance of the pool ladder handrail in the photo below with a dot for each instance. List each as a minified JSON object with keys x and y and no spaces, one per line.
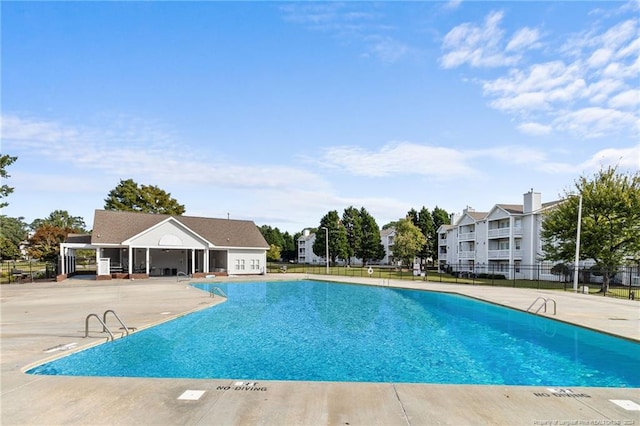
{"x":212,"y":292}
{"x":103,"y":322}
{"x":104,"y":326}
{"x":544,"y":303}
{"x":186,"y":276}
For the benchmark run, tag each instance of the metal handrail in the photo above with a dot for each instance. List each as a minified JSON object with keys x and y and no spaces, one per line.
{"x":104,"y":321}
{"x":544,"y":303}
{"x":104,"y":326}
{"x":212,"y":292}
{"x":182,"y":274}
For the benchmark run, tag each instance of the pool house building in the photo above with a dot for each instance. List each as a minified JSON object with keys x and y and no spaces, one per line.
{"x":142,"y":245}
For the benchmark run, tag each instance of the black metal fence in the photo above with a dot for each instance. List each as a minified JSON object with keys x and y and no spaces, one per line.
{"x":26,"y":271}
{"x":623,"y":283}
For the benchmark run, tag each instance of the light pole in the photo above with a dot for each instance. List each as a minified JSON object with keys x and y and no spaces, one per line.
{"x":326,"y":243}
{"x":576,"y":265}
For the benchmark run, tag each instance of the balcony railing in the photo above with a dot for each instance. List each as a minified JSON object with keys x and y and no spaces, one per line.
{"x":503,"y":232}
{"x":498,"y":232}
{"x":469,"y":254}
{"x":466,"y":236}
{"x":504,"y":254}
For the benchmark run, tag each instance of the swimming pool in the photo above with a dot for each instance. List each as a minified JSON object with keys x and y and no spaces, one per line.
{"x":320,"y":331}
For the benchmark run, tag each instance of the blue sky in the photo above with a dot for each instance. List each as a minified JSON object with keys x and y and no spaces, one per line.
{"x":280,"y":112}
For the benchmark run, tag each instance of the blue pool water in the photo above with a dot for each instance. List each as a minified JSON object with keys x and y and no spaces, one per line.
{"x":317,"y":331}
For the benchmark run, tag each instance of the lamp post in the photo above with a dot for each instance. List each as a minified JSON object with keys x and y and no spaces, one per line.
{"x":326,"y":243}
{"x":576,"y":265}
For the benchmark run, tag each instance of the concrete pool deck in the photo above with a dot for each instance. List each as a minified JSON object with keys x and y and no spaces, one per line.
{"x":41,"y":316}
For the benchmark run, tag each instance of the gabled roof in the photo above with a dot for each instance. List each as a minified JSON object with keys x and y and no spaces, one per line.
{"x":114,"y":227}
{"x":511,"y":208}
{"x":551,"y":204}
{"x":445,"y":227}
{"x":388,"y":231}
{"x":477,"y":215}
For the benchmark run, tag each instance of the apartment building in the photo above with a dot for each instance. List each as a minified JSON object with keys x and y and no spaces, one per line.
{"x":501,"y":240}
{"x":305,"y":248}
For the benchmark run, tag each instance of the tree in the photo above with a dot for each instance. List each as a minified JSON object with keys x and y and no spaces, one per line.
{"x":13,"y":231}
{"x":5,"y":190}
{"x":290,"y":250}
{"x":370,"y":248}
{"x":61,"y":219}
{"x":337,"y":238}
{"x":562,"y":269}
{"x":45,"y":243}
{"x":424,"y":222}
{"x":610,"y":226}
{"x":408,"y":241}
{"x":273,"y":254}
{"x":352,"y":224}
{"x":272,"y":235}
{"x":285,"y":242}
{"x":130,"y":197}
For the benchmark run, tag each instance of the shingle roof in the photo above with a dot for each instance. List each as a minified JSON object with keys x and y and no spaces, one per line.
{"x":512,"y":208}
{"x":114,"y":227}
{"x":477,"y":215}
{"x":78,"y":238}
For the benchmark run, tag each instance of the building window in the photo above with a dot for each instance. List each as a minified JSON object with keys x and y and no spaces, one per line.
{"x":239,"y":264}
{"x":255,"y":264}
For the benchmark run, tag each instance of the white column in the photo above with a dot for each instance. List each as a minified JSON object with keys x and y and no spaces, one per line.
{"x":146,"y":260}
{"x":130,"y":260}
{"x":193,"y":261}
{"x":205,"y":263}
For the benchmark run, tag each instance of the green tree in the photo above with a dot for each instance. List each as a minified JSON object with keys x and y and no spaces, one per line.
{"x":610,"y":226}
{"x":424,"y":222}
{"x":129,"y":196}
{"x":272,"y":235}
{"x":562,"y":269}
{"x":61,"y":219}
{"x":352,"y":224}
{"x":290,"y":249}
{"x":370,"y":247}
{"x":408,"y":241}
{"x":5,"y":190}
{"x":273,"y":254}
{"x":284,"y":241}
{"x":337,"y":238}
{"x":13,"y":231}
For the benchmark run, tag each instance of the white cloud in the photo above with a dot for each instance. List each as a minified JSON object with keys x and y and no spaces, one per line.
{"x":524,"y":38}
{"x":625,"y":158}
{"x":599,"y":58}
{"x":626,"y":99}
{"x":594,"y":122}
{"x":452,"y":4}
{"x":398,"y":158}
{"x":588,"y":90}
{"x":146,"y":154}
{"x":386,"y":48}
{"x":535,"y":129}
{"x":478,"y":46}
